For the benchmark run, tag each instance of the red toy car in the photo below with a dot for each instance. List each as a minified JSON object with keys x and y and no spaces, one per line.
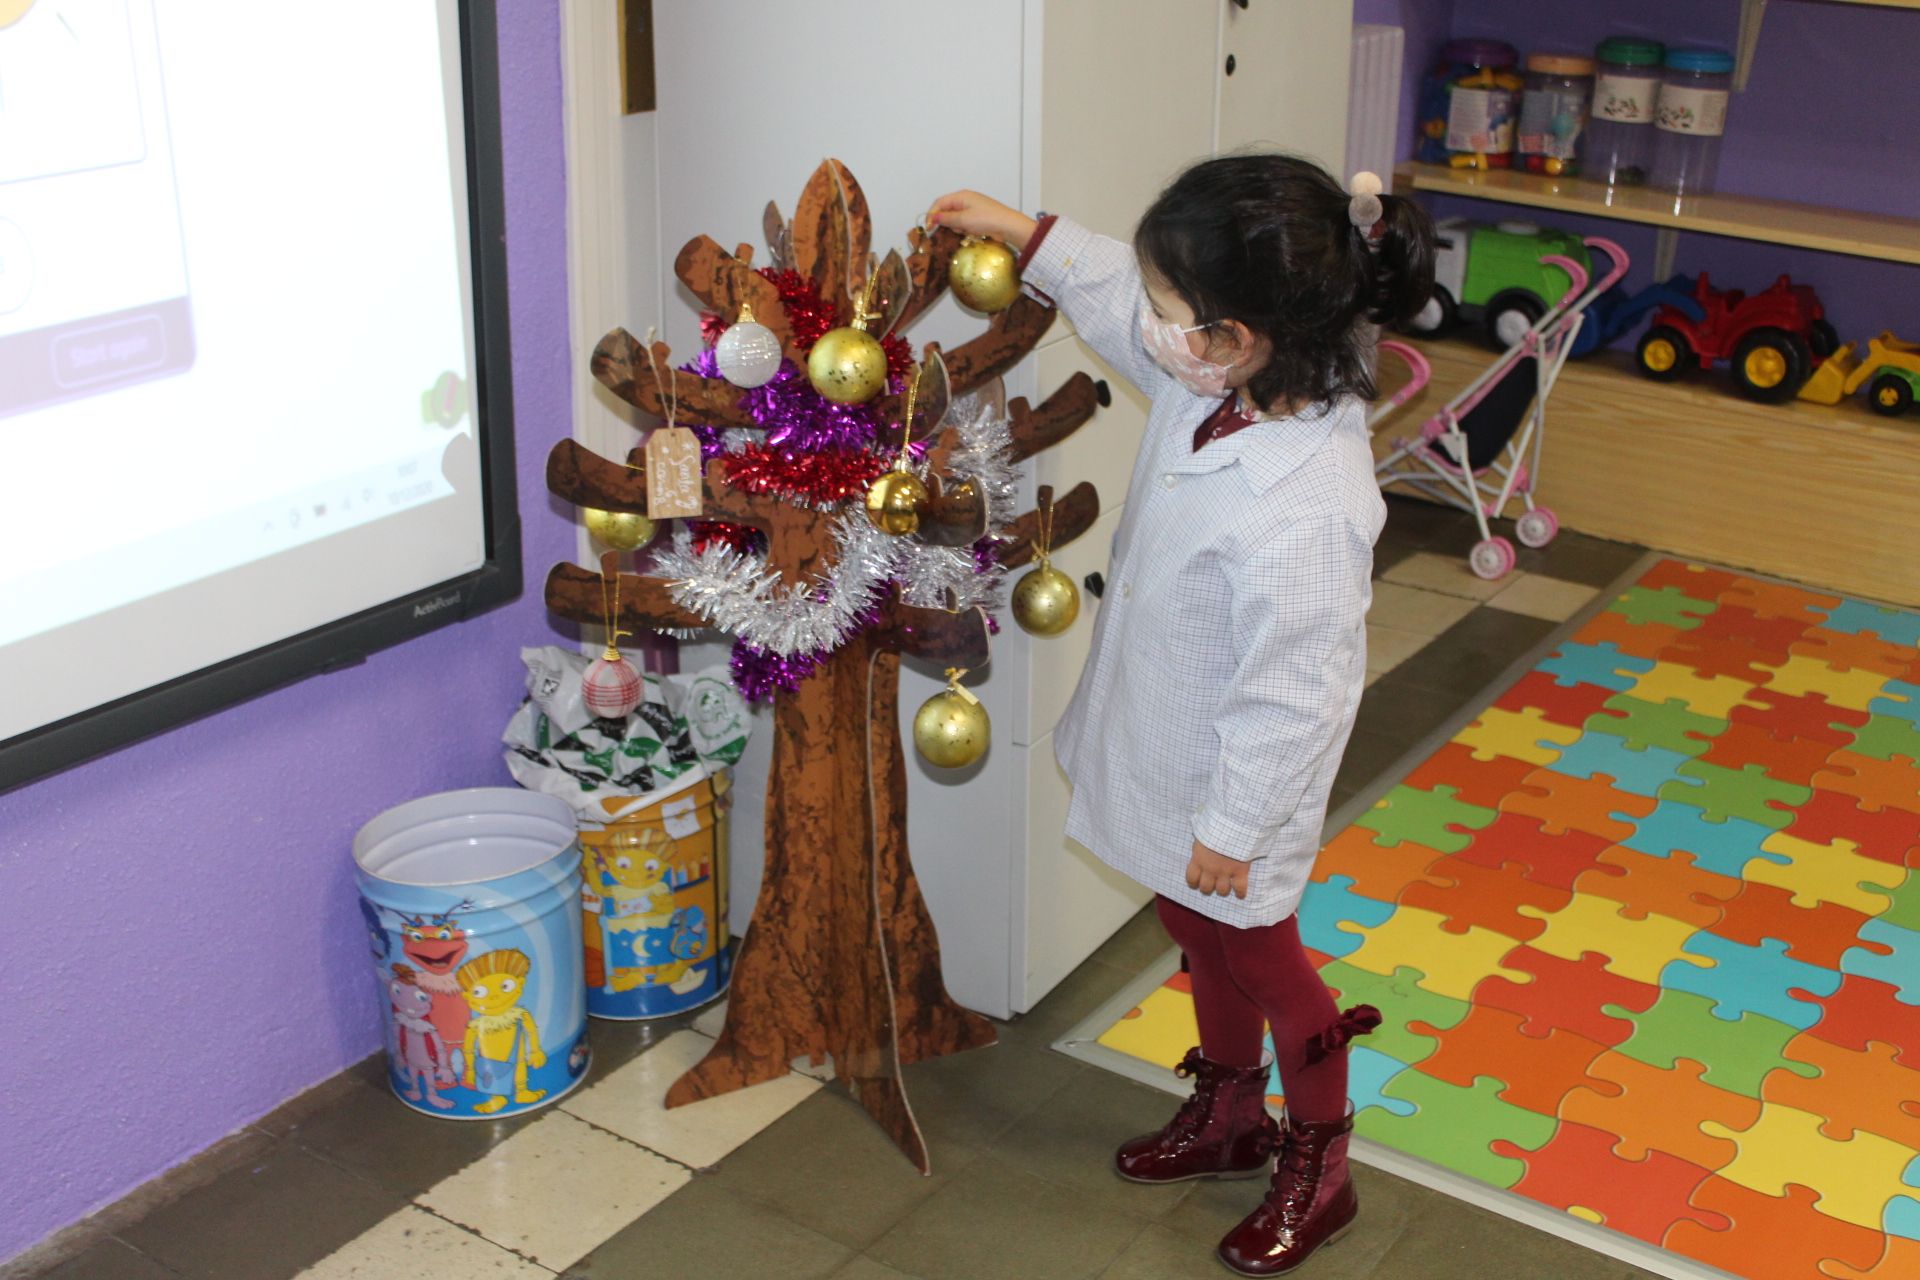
{"x":1773,"y":339}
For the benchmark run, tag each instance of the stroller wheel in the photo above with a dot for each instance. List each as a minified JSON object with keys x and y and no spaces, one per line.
{"x":1536,"y":528}
{"x":1491,"y":559}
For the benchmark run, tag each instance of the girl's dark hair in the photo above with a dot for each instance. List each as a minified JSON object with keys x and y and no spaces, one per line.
{"x":1266,"y":240}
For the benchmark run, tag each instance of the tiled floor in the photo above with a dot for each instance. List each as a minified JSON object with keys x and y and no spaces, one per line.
{"x":791,"y":1179}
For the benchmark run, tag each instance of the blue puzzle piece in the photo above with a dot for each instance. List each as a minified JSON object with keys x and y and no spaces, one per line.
{"x":1368,"y":1072}
{"x":1326,"y":905}
{"x":1747,"y":979}
{"x":1900,"y":970}
{"x":1899,"y":699}
{"x":1601,"y":664}
{"x":1724,"y":848}
{"x":1640,"y":772}
{"x":1902,"y":1215}
{"x":1895,"y":626}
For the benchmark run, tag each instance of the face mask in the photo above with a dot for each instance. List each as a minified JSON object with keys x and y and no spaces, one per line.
{"x":1166,"y":342}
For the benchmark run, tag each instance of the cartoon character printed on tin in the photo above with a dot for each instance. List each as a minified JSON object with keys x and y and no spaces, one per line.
{"x":379,"y":946}
{"x":638,"y":920}
{"x":419,"y":1056}
{"x":502,"y":1042}
{"x":436,"y":945}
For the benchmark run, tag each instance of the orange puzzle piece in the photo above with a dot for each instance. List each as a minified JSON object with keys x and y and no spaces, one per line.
{"x":1773,"y":1235}
{"x":1793,"y":760}
{"x":1847,"y":652}
{"x":1876,"y":784}
{"x":1378,"y":871}
{"x":1642,"y":1199}
{"x":1536,"y":1070}
{"x":1563,"y":804}
{"x":1857,"y":1089}
{"x":1646,"y":884}
{"x":1480,"y":782}
{"x":1656,"y":1109}
{"x":1776,"y":600}
{"x":1488,"y":897}
{"x":1637,"y":639}
{"x":1819,"y":934}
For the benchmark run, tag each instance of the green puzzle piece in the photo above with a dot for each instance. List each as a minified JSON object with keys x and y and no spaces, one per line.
{"x":1905,"y":907}
{"x":1455,"y":1128}
{"x":1400,"y":1001}
{"x":1668,"y":606}
{"x":1735,"y":793}
{"x":1884,"y":737}
{"x":1665,"y":725}
{"x":1407,"y":813}
{"x":1737,"y":1053}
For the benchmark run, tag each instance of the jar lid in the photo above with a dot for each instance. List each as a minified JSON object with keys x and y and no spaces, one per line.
{"x":1716,"y":62}
{"x":1631,"y":51}
{"x":1480,"y":53}
{"x":1560,"y":64}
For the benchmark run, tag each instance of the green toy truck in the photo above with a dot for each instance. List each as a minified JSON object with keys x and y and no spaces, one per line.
{"x":1492,"y":276}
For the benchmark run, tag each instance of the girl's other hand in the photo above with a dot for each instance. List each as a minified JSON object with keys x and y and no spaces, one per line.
{"x":1216,"y":873}
{"x":973,"y":214}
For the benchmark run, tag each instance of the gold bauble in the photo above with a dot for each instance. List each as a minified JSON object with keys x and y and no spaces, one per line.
{"x":951,"y":730}
{"x":621,"y":530}
{"x":894,"y":502}
{"x":1045,"y":601}
{"x":847,"y":365}
{"x":984,"y":275}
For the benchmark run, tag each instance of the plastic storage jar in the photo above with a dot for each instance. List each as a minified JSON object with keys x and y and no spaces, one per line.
{"x":1468,"y":103}
{"x":1625,"y":92}
{"x":1690,"y":119}
{"x":1553,"y":114}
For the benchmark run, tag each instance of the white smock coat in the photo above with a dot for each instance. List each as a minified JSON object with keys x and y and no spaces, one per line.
{"x":1230,"y":651}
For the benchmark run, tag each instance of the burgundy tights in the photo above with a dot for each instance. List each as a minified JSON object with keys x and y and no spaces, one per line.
{"x":1246,"y":979}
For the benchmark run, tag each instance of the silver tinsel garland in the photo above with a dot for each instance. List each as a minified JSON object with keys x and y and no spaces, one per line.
{"x":737,"y":593}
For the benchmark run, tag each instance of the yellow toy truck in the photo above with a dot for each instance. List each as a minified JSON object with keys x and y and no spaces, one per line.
{"x":1890,"y":372}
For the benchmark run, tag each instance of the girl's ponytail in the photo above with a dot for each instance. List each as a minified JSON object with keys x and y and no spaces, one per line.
{"x":1402,"y":261}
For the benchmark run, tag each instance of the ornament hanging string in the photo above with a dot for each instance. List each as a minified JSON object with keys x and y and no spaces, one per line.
{"x":610,"y":605}
{"x":669,"y":387}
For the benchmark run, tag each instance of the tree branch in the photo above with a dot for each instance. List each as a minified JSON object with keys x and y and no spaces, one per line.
{"x":927,"y":265}
{"x":1009,"y":336}
{"x":1059,"y":416}
{"x":1073,"y":515}
{"x":578,"y":475}
{"x":620,"y":363}
{"x":724,"y":280}
{"x":578,"y":594}
{"x":952,"y":639}
{"x":955,"y":517}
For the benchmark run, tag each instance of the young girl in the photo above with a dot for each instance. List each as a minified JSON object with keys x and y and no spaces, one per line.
{"x":1230,"y":651}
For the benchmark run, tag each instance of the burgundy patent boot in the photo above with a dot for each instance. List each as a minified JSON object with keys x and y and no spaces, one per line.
{"x":1222,"y":1131}
{"x":1312,"y":1202}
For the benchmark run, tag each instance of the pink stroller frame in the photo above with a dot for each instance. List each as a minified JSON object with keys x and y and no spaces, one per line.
{"x":1482,"y":449}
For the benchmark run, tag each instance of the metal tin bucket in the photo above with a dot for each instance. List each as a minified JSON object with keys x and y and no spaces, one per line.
{"x":655,"y":907}
{"x":472,"y":902}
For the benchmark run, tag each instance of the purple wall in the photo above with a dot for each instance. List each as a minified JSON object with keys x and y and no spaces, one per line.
{"x":1828,"y":117}
{"x":182,"y":945}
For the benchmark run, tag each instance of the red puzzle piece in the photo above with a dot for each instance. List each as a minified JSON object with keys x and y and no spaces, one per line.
{"x":1876,"y":784}
{"x":1793,"y":760}
{"x":1642,"y":1198}
{"x":1537,"y":1070}
{"x":1730,"y":624}
{"x":1792,"y":715}
{"x":1771,"y":1235}
{"x":1564,"y":804}
{"x":1693,"y":580}
{"x":1552,"y":860}
{"x":1816,"y":935}
{"x":1638,"y":639}
{"x":1489,"y":897}
{"x":1645,"y":884}
{"x":1861,"y":1011}
{"x":1891,"y":835}
{"x":1566,"y":993}
{"x":1567,"y":705}
{"x":1480,"y":782}
{"x":1847,"y":652}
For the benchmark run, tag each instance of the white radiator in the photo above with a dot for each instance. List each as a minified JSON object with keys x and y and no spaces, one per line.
{"x":1373,"y":100}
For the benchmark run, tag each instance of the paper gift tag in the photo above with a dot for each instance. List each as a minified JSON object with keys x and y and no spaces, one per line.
{"x":674,"y":487}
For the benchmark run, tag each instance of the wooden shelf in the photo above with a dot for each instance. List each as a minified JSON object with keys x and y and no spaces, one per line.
{"x":1825,"y":496}
{"x":1865,"y":235}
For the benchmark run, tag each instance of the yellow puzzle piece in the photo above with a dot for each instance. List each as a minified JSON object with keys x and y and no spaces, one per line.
{"x":1853,"y":689}
{"x":1161,"y":1030}
{"x":1836,"y":873}
{"x":1703,"y":695}
{"x":1518,"y":735}
{"x":1856,"y":1178}
{"x":1454,"y":963}
{"x":1637,"y":949}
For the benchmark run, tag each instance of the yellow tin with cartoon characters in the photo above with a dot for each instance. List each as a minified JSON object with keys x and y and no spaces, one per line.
{"x":655,"y":902}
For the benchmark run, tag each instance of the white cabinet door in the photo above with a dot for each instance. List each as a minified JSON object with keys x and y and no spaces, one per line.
{"x":1126,"y":100}
{"x":1288,"y":89}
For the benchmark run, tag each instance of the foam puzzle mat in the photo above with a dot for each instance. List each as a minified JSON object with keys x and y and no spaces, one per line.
{"x":1646,"y":933}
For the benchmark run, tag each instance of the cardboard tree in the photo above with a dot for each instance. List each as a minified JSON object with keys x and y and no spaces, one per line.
{"x":842,"y":958}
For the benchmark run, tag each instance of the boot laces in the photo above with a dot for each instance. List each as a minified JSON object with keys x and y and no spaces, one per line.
{"x":1296,"y":1179}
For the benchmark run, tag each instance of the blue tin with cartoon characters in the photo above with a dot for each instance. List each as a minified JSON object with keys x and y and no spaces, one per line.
{"x":472,"y":902}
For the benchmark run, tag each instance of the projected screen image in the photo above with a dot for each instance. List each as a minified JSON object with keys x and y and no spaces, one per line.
{"x":236,"y":333}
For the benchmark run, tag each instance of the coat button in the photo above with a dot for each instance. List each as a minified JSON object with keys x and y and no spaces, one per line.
{"x":1169,"y":480}
{"x":1126,"y":591}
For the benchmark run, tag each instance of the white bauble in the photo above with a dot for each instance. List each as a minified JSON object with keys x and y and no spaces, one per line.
{"x":748,"y":354}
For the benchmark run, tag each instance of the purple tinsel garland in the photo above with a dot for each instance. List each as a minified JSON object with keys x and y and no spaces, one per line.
{"x":760,"y":673}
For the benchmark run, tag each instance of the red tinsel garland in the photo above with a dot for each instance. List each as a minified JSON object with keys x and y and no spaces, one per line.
{"x":740,"y":538}
{"x":809,"y":316}
{"x":817,"y":479}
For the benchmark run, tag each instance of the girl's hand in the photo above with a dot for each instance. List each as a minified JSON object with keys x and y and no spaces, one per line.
{"x":1211,"y":872}
{"x":973,"y":214}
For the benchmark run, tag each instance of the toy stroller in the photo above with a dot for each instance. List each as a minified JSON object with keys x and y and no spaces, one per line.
{"x":1482,"y":449}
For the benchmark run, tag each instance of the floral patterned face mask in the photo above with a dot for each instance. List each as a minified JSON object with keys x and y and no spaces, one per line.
{"x":1166,"y":342}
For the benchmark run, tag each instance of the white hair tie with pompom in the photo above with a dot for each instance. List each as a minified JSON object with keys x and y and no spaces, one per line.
{"x":1364,"y":209}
